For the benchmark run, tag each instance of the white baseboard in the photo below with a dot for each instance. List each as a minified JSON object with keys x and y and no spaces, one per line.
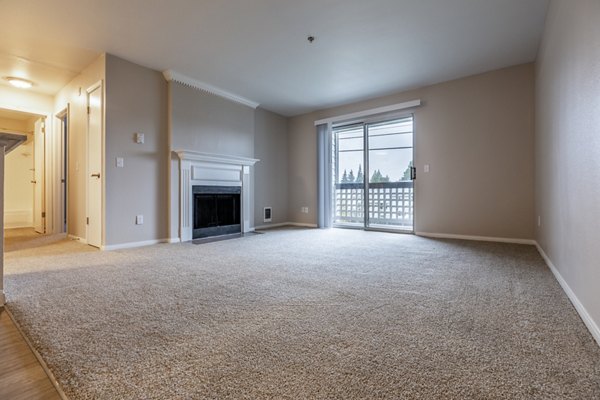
{"x":81,"y":240}
{"x":132,"y":245}
{"x":281,"y":224}
{"x":18,"y":219}
{"x":585,"y":316}
{"x":173,"y":240}
{"x":269,"y":226}
{"x":476,"y":238}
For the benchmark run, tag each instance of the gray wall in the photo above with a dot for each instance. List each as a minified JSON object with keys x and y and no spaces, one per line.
{"x":271,"y":172}
{"x":568,"y":147}
{"x":477,"y":135}
{"x":201,"y":121}
{"x":136,"y":101}
{"x":204,"y":122}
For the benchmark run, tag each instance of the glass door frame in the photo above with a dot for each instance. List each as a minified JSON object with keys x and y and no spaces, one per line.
{"x":366,"y":206}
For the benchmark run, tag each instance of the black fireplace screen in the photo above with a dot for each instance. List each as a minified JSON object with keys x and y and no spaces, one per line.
{"x":216,"y":210}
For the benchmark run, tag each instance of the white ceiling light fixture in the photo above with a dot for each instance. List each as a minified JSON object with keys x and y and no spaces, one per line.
{"x":19,"y":82}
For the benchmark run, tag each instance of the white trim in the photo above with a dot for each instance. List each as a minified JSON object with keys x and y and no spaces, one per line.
{"x":197,"y":168}
{"x":218,"y":158}
{"x":373,"y":111}
{"x":174,"y":76}
{"x":585,"y":316}
{"x":73,"y":237}
{"x":282,"y":224}
{"x":476,"y":238}
{"x":302,"y":225}
{"x":269,"y":226}
{"x":173,"y":240}
{"x":132,"y":245}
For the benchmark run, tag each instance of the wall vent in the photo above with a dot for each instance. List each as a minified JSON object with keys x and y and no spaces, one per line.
{"x":267,"y":214}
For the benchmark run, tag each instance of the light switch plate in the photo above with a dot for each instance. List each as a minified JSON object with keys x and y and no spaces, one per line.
{"x":139,"y":138}
{"x":120,"y":162}
{"x":139,"y":219}
{"x":426,"y":168}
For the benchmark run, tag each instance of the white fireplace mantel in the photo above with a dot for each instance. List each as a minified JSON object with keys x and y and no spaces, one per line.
{"x":197,"y":168}
{"x":217,"y":158}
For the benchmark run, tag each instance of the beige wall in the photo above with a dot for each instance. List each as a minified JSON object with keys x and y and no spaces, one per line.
{"x":136,"y":102}
{"x":74,"y":95}
{"x":568,"y":147}
{"x":271,"y":173}
{"x":18,"y":197}
{"x":477,"y":135}
{"x":14,"y":124}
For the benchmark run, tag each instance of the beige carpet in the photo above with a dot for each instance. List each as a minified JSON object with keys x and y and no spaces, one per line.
{"x":304,"y":314}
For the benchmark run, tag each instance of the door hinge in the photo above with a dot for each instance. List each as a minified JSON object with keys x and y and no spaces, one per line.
{"x":88,"y":110}
{"x":43,"y":215}
{"x":87,"y":221}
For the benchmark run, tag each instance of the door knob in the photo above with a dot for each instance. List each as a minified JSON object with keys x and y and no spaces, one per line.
{"x":96,"y":175}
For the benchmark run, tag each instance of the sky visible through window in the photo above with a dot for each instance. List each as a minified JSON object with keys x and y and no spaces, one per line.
{"x":390,"y":150}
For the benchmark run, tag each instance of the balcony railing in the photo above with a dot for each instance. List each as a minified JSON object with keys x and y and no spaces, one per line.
{"x":390,"y":203}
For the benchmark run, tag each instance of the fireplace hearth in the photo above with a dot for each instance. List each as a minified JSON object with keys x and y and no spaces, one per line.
{"x":216,"y":210}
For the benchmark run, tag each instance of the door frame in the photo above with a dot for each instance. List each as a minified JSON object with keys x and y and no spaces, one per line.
{"x":365,"y":122}
{"x":98,"y":85}
{"x":41,"y":211}
{"x":62,"y":207}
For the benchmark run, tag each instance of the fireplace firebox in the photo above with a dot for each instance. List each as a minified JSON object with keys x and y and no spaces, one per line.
{"x":216,"y":210}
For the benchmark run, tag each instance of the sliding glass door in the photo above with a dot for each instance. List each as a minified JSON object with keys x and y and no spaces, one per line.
{"x":373,"y":175}
{"x":348,"y":178}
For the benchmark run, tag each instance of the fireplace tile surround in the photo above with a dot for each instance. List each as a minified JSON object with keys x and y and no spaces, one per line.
{"x":207,"y":169}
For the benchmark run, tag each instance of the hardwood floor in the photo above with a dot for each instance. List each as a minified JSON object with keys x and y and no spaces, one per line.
{"x":21,"y":375}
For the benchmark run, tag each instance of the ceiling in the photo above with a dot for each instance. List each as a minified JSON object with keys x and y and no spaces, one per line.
{"x":258,"y":49}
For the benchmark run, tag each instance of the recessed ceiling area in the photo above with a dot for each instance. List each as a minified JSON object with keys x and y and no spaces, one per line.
{"x":258,"y":49}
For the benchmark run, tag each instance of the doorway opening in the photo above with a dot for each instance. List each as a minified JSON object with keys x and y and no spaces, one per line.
{"x":373,"y":175}
{"x":25,"y":172}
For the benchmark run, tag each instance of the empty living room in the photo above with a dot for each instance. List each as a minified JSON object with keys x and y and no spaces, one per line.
{"x":317,"y":199}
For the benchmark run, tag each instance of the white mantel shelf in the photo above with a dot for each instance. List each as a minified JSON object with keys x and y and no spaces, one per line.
{"x":215,"y":158}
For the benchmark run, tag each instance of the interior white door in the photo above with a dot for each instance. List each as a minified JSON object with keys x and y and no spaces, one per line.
{"x":39,"y":212}
{"x":94,"y":178}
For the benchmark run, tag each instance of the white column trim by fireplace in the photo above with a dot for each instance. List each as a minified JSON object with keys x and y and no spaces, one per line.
{"x":197,"y":168}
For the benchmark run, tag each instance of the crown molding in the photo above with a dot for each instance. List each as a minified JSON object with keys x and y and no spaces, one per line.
{"x":174,"y":76}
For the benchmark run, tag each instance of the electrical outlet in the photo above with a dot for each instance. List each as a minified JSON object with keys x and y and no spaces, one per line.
{"x":139,"y":220}
{"x":139,"y":138}
{"x":304,"y":210}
